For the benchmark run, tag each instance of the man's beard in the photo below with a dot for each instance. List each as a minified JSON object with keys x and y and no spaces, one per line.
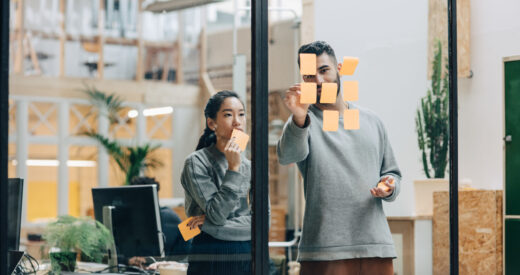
{"x":318,"y":95}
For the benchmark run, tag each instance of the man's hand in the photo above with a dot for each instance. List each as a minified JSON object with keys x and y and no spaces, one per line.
{"x":384,"y":188}
{"x":197,"y":221}
{"x":292,"y":101}
{"x":137,"y":261}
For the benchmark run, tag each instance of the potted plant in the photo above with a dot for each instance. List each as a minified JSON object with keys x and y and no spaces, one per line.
{"x":70,"y":235}
{"x":133,"y":161}
{"x":432,"y":126}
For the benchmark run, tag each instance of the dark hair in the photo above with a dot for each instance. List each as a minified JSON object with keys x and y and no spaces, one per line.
{"x":211,"y":110}
{"x":318,"y":48}
{"x":144,"y":181}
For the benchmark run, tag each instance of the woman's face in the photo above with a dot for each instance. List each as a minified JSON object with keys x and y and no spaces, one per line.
{"x":230,"y":116}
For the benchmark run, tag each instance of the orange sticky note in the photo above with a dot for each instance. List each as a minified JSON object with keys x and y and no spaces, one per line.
{"x":241,"y":139}
{"x":349,"y":65}
{"x":329,"y":92}
{"x":382,"y":185}
{"x":351,"y":119}
{"x":330,"y":120}
{"x":185,"y":230}
{"x":308,"y":93}
{"x":307,"y":64}
{"x":350,"y":90}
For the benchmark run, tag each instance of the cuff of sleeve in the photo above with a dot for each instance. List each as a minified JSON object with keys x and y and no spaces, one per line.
{"x":295,"y":129}
{"x":232,"y":180}
{"x":397,"y":182}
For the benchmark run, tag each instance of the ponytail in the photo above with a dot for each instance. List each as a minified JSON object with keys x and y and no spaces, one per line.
{"x":207,"y":138}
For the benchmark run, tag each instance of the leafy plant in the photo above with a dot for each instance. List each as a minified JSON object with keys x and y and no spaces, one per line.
{"x":131,"y":160}
{"x":432,"y":120}
{"x":108,"y":104}
{"x":71,"y":234}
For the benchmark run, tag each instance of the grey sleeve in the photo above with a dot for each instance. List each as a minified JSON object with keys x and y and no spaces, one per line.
{"x":293,"y":145}
{"x":217,"y":203}
{"x":390,"y":168}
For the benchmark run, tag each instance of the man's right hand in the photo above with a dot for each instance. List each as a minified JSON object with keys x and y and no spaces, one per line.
{"x":292,"y":101}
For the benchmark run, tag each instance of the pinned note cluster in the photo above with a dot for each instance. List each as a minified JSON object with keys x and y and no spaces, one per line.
{"x":329,"y":92}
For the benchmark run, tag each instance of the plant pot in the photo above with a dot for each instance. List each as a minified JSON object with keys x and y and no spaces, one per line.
{"x":63,"y":261}
{"x":424,"y":194}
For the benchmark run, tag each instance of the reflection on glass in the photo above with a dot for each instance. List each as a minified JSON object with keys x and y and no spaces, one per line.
{"x":216,"y":179}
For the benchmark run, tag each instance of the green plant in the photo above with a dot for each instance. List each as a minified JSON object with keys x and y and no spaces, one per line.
{"x":131,"y":160}
{"x":432,"y":120}
{"x":85,"y":234}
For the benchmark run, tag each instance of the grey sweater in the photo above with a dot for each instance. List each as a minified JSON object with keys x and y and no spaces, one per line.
{"x":219,"y":193}
{"x":342,"y":219}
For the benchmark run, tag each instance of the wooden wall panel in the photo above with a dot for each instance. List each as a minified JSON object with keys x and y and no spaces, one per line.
{"x":438,"y":29}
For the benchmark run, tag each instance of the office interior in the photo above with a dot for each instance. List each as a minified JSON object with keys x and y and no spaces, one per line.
{"x":161,"y":60}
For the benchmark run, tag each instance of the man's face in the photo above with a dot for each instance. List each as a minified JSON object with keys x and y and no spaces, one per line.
{"x":326,"y":72}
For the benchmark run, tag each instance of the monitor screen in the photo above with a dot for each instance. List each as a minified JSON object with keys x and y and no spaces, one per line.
{"x":14,"y":214}
{"x":136,"y":221}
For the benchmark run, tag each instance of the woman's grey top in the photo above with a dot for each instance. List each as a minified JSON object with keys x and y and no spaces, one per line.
{"x":342,"y":219}
{"x":220,"y":194}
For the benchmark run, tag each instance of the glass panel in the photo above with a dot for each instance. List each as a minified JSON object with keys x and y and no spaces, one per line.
{"x":82,"y":177}
{"x":42,"y":183}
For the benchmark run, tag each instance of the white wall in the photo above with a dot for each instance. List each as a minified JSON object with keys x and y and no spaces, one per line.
{"x":495,"y":33}
{"x":390,"y":39}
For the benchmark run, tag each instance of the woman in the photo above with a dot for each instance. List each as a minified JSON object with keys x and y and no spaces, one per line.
{"x":216,"y":179}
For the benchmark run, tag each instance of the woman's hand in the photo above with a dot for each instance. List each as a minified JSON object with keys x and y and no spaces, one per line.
{"x":232,"y":153}
{"x":197,"y":221}
{"x":384,"y":189}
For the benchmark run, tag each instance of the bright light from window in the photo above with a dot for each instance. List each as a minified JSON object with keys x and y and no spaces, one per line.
{"x":151,"y":112}
{"x":54,"y":162}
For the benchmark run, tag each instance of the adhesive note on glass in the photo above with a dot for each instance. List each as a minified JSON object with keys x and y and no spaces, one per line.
{"x":241,"y":139}
{"x":329,"y":92}
{"x":308,"y":93}
{"x":307,"y":64}
{"x":330,"y":120}
{"x":349,"y":65}
{"x":382,"y":185}
{"x":350,"y":90}
{"x":351,"y":119}
{"x":185,"y":230}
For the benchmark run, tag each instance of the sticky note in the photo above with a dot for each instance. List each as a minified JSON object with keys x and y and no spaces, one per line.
{"x":351,"y":119}
{"x":349,"y":65}
{"x":330,"y":120}
{"x":241,"y":139}
{"x":308,"y":93}
{"x":307,"y":64}
{"x":185,"y":230}
{"x":350,"y":90}
{"x":329,"y":92}
{"x":382,"y":185}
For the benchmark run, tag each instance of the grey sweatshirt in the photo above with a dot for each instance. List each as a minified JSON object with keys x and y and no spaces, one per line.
{"x":219,"y":193}
{"x":342,"y":219}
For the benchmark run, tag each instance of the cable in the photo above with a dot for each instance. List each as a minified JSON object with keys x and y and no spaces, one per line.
{"x":27,"y":265}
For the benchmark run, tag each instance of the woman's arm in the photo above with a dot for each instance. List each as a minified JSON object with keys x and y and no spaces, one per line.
{"x":216,"y":203}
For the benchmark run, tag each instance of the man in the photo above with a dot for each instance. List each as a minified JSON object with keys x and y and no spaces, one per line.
{"x":345,"y":229}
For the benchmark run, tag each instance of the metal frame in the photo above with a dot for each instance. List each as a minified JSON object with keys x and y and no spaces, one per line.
{"x":260,"y":141}
{"x":453,"y":146}
{"x":4,"y":128}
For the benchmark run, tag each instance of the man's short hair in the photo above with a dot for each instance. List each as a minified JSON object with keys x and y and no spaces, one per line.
{"x":144,"y":181}
{"x":318,"y":48}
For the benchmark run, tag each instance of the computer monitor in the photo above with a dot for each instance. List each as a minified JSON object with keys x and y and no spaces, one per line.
{"x":14,"y":212}
{"x":135,"y":220}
